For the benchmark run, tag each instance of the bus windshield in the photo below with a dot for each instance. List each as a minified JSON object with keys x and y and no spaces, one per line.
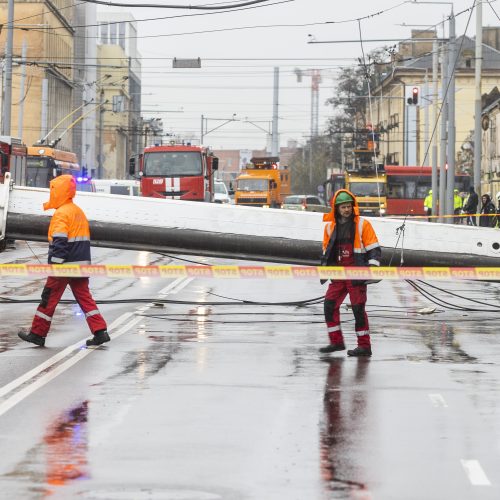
{"x":367,"y":188}
{"x":38,"y":172}
{"x":253,"y":185}
{"x":172,"y":164}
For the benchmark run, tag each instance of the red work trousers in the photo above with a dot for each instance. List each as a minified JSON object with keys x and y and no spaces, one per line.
{"x":335,"y":295}
{"x":51,"y":295}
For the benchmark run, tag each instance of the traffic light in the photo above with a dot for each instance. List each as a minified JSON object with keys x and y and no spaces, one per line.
{"x":414,"y":96}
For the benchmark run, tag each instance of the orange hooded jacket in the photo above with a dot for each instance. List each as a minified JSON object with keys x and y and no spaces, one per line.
{"x":69,"y":233}
{"x":367,"y":251}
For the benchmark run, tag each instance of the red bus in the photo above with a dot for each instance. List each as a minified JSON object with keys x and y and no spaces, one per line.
{"x":408,"y":186}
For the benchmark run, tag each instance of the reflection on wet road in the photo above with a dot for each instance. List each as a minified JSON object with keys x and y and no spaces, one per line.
{"x":207,"y":396}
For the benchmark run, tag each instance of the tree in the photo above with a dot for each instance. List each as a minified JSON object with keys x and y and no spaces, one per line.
{"x":350,"y":98}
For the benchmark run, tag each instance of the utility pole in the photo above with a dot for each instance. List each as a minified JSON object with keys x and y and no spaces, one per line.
{"x":435,"y":68}
{"x":101,"y":135}
{"x":20,"y":118}
{"x":7,"y":97}
{"x":451,"y":120}
{"x":442,"y":151}
{"x":275,"y":141}
{"x":478,"y":103}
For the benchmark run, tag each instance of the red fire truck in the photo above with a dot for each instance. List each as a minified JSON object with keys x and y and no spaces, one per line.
{"x":176,"y":171}
{"x":13,"y":159}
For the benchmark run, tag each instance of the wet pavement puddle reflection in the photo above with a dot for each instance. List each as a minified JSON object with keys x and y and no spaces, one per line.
{"x":343,"y":427}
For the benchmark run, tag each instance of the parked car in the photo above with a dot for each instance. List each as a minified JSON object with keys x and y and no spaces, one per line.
{"x":307,"y":202}
{"x":220,"y":192}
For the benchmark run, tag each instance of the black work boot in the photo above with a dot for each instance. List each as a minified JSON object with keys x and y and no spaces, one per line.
{"x":360,"y":351}
{"x":32,"y":337}
{"x":332,"y":348}
{"x":99,"y":338}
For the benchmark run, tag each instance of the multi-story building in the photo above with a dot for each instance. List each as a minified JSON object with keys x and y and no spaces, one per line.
{"x":490,"y":151}
{"x":404,"y":128}
{"x":119,"y":91}
{"x":42,"y":81}
{"x":85,"y":90}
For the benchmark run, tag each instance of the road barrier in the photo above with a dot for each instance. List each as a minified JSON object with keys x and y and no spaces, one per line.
{"x":251,"y":272}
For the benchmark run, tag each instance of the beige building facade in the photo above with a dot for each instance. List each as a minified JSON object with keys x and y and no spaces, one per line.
{"x":113,"y":121}
{"x":119,"y":123}
{"x":405,"y":130}
{"x":45,"y":99}
{"x":490,"y":158}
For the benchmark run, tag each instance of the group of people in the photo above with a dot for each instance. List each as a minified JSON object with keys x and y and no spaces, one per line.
{"x":489,"y":214}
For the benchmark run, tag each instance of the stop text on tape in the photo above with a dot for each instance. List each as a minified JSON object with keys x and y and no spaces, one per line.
{"x":272,"y":272}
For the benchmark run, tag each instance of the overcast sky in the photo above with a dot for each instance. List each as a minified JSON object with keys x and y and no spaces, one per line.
{"x":237,"y":64}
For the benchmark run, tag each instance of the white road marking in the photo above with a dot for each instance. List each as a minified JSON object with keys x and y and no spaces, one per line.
{"x":54,"y":359}
{"x":80,"y":353}
{"x":438,"y":401}
{"x":475,"y":473}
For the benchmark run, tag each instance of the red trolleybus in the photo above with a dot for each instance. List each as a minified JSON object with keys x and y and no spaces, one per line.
{"x":408,"y":186}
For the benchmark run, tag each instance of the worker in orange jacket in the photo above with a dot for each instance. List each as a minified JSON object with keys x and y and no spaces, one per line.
{"x":348,"y":240}
{"x":69,"y":243}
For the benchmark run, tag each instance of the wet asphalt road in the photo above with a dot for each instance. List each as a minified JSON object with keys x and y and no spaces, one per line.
{"x":200,"y":402}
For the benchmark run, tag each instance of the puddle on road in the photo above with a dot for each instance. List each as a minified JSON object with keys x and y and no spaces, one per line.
{"x":7,"y":341}
{"x":60,"y":458}
{"x":343,"y":422}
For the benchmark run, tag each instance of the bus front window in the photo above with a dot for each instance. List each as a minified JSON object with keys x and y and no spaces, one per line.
{"x":39,"y":172}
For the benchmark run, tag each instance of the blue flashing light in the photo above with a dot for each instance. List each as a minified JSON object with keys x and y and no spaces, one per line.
{"x":79,"y":179}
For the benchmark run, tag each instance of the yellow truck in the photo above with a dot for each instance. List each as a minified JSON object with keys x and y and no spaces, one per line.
{"x":370,"y":190}
{"x":264,"y":184}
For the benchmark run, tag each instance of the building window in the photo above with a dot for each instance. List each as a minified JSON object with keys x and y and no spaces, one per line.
{"x":121,"y":35}
{"x":113,"y":38}
{"x":104,"y":33}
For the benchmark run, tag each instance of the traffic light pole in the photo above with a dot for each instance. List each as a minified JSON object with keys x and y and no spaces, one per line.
{"x":478,"y":104}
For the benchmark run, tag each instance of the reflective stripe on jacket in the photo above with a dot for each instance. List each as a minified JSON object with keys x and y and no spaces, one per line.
{"x":69,"y":233}
{"x":367,"y":251}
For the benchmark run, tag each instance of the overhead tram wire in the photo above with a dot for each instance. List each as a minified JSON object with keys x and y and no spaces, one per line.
{"x":344,"y":21}
{"x":186,"y":7}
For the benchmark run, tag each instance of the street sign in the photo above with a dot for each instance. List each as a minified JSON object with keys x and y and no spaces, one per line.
{"x":186,"y":63}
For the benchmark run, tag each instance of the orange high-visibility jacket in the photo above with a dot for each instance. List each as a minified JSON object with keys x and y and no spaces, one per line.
{"x":367,"y":251}
{"x":69,"y":233}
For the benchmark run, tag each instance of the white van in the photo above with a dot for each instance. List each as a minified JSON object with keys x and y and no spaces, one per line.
{"x":117,"y":186}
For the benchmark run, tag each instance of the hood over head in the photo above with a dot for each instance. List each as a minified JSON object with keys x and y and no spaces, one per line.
{"x":330,"y":216}
{"x":62,"y":191}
